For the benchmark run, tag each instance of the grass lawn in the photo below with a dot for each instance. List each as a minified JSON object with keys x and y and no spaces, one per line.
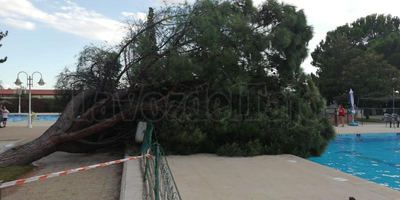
{"x":13,"y":172}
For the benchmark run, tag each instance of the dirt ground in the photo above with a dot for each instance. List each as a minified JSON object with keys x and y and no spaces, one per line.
{"x":96,"y":184}
{"x":18,"y":133}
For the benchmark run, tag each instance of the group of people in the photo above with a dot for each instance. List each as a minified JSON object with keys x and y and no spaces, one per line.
{"x":3,"y":116}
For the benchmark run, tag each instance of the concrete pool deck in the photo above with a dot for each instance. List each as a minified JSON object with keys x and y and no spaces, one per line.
{"x":366,"y":128}
{"x":278,"y":177}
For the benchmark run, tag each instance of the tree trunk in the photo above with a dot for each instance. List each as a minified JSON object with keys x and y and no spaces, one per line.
{"x":89,"y":122}
{"x":28,"y":153}
{"x":47,"y":143}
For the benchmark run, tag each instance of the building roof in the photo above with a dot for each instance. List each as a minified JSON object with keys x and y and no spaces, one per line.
{"x":9,"y":92}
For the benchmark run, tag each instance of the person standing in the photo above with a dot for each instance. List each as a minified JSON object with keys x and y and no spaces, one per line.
{"x":5,"y":113}
{"x":341,"y":113}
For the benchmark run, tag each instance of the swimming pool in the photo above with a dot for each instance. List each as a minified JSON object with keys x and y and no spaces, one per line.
{"x":375,"y":157}
{"x":39,"y":117}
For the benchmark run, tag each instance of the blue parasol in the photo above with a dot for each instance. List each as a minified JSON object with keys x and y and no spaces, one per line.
{"x":353,"y":110}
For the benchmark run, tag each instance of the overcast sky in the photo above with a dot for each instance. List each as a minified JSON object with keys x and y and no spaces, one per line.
{"x":47,"y":35}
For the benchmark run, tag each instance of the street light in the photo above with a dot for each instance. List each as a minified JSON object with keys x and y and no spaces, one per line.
{"x":29,"y":82}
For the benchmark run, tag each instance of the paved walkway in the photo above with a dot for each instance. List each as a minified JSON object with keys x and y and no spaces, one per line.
{"x":279,"y":177}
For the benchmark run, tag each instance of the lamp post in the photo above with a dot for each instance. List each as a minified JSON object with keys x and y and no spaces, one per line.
{"x":29,"y":82}
{"x":394,"y":92}
{"x":19,"y":92}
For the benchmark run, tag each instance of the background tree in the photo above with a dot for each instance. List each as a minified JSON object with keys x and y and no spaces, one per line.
{"x":147,"y":49}
{"x":2,"y":35}
{"x":342,"y":58}
{"x":371,"y":75}
{"x":389,"y":48}
{"x":216,"y":76}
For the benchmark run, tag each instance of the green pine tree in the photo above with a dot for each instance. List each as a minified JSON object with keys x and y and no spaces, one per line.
{"x":363,"y":55}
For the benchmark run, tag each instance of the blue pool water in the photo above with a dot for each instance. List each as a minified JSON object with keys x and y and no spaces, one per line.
{"x":39,"y":117}
{"x":375,"y":157}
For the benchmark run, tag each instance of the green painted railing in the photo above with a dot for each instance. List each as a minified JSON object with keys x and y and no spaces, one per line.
{"x":159,"y":183}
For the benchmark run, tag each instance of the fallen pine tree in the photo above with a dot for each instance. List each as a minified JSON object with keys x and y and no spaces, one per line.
{"x":216,"y":76}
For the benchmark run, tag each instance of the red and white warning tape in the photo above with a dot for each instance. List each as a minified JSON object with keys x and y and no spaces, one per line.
{"x":70,"y":171}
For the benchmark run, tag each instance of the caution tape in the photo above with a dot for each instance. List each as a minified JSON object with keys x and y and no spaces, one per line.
{"x":70,"y":171}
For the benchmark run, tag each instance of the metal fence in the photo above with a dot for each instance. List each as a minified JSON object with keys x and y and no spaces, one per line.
{"x":159,"y":183}
{"x":363,"y":115}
